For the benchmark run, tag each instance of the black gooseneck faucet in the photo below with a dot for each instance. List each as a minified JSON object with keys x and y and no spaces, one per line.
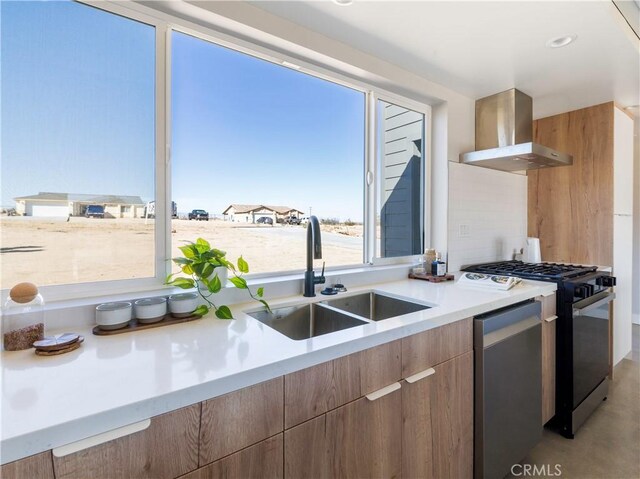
{"x":313,"y":243}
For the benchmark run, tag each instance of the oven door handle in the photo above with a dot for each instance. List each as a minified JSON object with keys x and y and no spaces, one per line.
{"x":596,"y":304}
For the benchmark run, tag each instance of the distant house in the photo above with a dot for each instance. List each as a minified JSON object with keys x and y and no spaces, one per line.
{"x":251,"y":213}
{"x":46,"y":204}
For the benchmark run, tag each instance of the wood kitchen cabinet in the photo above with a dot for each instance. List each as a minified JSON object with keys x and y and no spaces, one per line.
{"x":548,"y":356}
{"x":239,"y":419}
{"x":38,"y":466}
{"x":262,"y":460}
{"x":437,"y":421}
{"x":318,"y":389}
{"x":166,"y":449}
{"x":359,"y":439}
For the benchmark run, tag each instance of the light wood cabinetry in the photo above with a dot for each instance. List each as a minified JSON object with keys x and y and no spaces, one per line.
{"x":549,"y":325}
{"x":318,"y":389}
{"x":166,"y":449}
{"x":262,"y":460}
{"x":425,"y":350}
{"x":38,"y":466}
{"x":437,"y":422}
{"x":241,"y":418}
{"x":424,"y":428}
{"x":359,"y":439}
{"x":583,"y":213}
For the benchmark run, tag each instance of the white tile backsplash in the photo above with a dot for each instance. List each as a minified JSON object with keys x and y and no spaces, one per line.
{"x":493,"y":206}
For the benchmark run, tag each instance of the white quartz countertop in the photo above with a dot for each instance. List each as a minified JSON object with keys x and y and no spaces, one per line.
{"x":112,"y":381}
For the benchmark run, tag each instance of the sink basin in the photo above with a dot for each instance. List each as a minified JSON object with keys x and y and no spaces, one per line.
{"x":375,"y":306}
{"x":306,"y":321}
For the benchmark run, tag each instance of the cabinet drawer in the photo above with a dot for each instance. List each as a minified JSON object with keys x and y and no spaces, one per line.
{"x":359,"y":439}
{"x":318,"y":389}
{"x":429,"y":348}
{"x":240,"y":419}
{"x":263,"y":460}
{"x":166,"y":449}
{"x":38,"y":466}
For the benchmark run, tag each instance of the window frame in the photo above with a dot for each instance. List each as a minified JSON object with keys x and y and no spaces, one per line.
{"x":164,"y":25}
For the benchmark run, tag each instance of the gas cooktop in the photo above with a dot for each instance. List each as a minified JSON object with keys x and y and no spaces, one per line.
{"x":537,"y":271}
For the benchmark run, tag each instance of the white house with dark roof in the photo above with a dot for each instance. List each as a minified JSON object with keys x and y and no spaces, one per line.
{"x":251,"y":213}
{"x":47,"y":204}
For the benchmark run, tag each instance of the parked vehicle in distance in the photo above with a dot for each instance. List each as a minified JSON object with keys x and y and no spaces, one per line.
{"x":265,"y":220}
{"x":150,"y":210}
{"x":304,"y":220}
{"x":94,"y":211}
{"x":292,"y":220}
{"x":199,"y":215}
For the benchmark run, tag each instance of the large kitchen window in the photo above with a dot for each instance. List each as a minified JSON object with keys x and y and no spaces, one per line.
{"x":124,"y":136}
{"x":78,"y":144}
{"x":260,"y":147}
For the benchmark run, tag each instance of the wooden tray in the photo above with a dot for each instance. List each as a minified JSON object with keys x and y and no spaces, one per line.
{"x":134,"y":325}
{"x":431,"y":278}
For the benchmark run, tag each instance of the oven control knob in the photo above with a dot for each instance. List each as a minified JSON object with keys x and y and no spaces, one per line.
{"x":583,"y":291}
{"x":606,"y":281}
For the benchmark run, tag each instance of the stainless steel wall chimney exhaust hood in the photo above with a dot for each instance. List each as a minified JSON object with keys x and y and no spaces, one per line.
{"x":504,"y":136}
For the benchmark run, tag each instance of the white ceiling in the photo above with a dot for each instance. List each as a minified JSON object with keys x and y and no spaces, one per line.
{"x":479,"y":48}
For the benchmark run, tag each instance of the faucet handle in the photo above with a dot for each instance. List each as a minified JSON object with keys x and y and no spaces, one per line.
{"x":322,"y":273}
{"x":320,"y":279}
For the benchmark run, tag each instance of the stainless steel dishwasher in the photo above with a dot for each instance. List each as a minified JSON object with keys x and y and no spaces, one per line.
{"x":508,"y":389}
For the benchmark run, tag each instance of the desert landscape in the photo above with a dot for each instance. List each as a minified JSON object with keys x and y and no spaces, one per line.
{"x":48,"y":251}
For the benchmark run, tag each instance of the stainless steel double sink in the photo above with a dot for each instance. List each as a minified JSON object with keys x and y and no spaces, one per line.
{"x":315,"y":319}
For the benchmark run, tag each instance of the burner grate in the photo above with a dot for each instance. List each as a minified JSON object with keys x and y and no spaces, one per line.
{"x":540,"y":271}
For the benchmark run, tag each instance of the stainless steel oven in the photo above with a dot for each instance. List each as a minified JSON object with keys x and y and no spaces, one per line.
{"x":590,"y":334}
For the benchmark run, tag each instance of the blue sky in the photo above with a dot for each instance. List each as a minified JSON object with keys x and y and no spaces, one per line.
{"x":78,"y":117}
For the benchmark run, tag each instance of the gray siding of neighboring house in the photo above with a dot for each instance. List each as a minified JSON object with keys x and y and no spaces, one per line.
{"x":402,"y":171}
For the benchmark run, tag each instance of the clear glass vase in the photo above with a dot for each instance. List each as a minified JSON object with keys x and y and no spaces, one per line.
{"x":22,"y":323}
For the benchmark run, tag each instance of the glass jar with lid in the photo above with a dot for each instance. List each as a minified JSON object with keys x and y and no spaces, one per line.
{"x":22,"y":317}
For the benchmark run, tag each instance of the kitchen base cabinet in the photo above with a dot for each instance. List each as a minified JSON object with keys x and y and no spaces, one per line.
{"x":548,"y":356}
{"x":166,"y":449}
{"x":38,"y":466}
{"x":263,"y":460}
{"x":241,"y":418}
{"x":360,"y":439}
{"x":437,"y":422}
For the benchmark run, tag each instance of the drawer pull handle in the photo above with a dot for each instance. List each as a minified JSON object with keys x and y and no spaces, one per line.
{"x":550,"y":319}
{"x":100,"y":438}
{"x":383,"y":392}
{"x":417,"y":377}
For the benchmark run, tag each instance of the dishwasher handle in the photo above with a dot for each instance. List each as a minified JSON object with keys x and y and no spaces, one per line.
{"x":511,"y":330}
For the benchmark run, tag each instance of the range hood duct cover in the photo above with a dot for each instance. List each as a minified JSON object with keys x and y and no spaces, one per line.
{"x":504,"y":136}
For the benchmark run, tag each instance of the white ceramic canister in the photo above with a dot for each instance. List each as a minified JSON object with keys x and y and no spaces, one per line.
{"x":183,"y":304}
{"x":150,"y":310}
{"x":113,"y":315}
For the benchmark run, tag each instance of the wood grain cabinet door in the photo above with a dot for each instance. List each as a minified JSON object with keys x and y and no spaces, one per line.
{"x":168,"y":448}
{"x":359,"y":440}
{"x":260,"y":461}
{"x":241,"y":418}
{"x":38,"y":466}
{"x":437,"y":421}
{"x":434,"y":346}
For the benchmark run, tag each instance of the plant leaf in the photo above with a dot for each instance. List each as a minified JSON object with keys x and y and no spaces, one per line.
{"x":184,"y":283}
{"x":207,"y":270}
{"x":260,"y":292}
{"x":238,"y":282}
{"x":182,"y":260}
{"x":223,"y":312}
{"x":243,"y":266}
{"x":203,"y":242}
{"x":187,"y":269}
{"x":215,"y":284}
{"x":266,"y":305}
{"x":201,"y":310}
{"x":218,"y":253}
{"x":189,"y":251}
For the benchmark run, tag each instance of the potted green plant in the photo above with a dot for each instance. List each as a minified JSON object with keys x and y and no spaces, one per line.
{"x":199,"y":263}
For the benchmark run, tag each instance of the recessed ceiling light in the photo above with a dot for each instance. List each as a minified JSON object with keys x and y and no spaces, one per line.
{"x":343,"y":3}
{"x":562,"y":41}
{"x":290,"y":65}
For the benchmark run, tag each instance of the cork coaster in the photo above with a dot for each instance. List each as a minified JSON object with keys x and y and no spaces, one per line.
{"x":67,"y":349}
